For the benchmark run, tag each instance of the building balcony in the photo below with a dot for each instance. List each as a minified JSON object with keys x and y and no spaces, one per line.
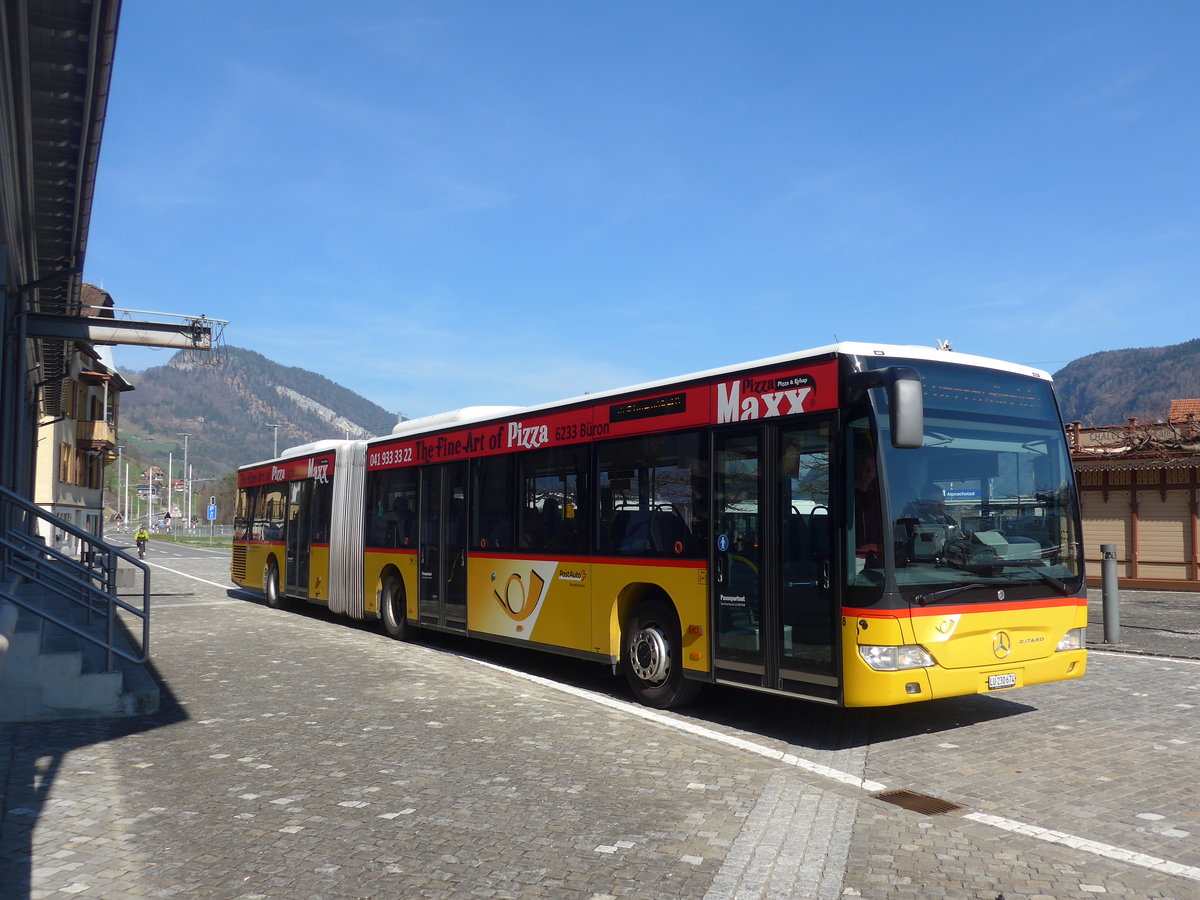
{"x":95,"y":436}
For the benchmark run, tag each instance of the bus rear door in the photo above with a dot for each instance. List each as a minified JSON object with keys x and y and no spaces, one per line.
{"x":299,"y":538}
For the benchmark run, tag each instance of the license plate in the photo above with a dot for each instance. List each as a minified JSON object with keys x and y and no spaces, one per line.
{"x":995,"y":682}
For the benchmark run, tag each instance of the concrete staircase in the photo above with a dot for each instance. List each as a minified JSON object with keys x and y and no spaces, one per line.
{"x":48,"y":673}
{"x":65,"y":650}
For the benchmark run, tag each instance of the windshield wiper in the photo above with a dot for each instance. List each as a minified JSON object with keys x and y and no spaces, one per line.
{"x":945,"y":593}
{"x":1048,"y":578}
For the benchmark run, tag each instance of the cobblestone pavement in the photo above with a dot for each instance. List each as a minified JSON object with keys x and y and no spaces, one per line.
{"x":296,"y":755}
{"x":1162,"y":623}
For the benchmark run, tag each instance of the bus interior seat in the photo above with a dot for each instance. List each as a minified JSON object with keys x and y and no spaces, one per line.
{"x":669,"y":533}
{"x":654,"y":531}
{"x":636,"y":538}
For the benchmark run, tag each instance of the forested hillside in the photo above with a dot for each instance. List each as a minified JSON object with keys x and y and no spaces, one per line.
{"x":1106,"y":388}
{"x":227,"y":408}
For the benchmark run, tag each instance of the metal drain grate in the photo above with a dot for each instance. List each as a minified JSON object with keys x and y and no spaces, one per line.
{"x":922,"y":803}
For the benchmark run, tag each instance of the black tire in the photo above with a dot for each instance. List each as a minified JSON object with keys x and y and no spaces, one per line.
{"x":392,"y":609}
{"x":652,"y":657}
{"x":271,"y":591}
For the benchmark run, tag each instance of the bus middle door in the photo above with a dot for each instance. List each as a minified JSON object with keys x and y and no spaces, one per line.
{"x":442,"y":558}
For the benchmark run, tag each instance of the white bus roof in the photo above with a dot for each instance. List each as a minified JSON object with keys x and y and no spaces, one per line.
{"x":473,"y":414}
{"x":304,"y":450}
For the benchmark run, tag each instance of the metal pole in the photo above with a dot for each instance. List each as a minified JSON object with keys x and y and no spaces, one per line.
{"x":120,"y":466}
{"x":1108,"y":582}
{"x":187,"y":483}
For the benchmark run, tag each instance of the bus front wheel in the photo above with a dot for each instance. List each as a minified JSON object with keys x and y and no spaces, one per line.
{"x":652,"y":656}
{"x":391,"y":608}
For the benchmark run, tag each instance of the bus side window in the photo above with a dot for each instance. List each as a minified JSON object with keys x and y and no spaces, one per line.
{"x":246,"y":498}
{"x":269,"y":516}
{"x":492,"y":527}
{"x":865,"y":545}
{"x":390,"y":508}
{"x":553,"y":500}
{"x":653,"y":493}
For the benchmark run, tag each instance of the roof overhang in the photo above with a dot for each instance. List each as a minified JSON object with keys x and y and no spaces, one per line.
{"x":56,"y":61}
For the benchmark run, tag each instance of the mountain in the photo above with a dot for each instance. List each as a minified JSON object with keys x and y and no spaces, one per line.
{"x":228,"y":407}
{"x":1106,"y":388}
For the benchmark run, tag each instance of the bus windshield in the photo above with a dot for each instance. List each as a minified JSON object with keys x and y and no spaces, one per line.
{"x":986,"y":508}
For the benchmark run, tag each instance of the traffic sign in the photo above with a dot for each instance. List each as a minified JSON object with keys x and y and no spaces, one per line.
{"x":212,"y":512}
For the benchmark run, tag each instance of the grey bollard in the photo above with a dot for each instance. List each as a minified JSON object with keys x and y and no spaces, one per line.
{"x":1108,"y":584}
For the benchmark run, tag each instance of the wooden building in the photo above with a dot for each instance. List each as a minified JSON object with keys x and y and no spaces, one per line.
{"x":1139,"y":489}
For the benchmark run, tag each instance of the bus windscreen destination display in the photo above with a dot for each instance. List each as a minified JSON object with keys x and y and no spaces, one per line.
{"x":764,"y":395}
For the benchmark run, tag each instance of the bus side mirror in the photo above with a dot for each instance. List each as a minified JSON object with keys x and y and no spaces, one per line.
{"x":906,"y":403}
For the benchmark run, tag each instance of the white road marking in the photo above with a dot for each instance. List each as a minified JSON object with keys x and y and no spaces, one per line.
{"x":1120,"y":854}
{"x":224,"y":587}
{"x":1118,"y":654}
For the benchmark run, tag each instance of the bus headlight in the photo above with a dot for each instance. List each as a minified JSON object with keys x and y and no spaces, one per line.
{"x":1072,"y":640}
{"x":893,"y":659}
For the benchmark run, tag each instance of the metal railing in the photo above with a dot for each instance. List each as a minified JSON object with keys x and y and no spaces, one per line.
{"x":89,"y":582}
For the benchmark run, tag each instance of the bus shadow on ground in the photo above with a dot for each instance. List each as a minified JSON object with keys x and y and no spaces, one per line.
{"x":817,"y":727}
{"x":797,"y":722}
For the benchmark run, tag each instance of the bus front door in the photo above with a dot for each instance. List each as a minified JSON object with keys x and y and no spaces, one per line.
{"x":772,"y":554}
{"x":299,"y":538}
{"x":442,"y":561}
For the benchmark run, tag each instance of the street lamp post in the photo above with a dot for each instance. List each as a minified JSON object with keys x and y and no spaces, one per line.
{"x":187,"y":477}
{"x":170,"y":488}
{"x":276,"y":452}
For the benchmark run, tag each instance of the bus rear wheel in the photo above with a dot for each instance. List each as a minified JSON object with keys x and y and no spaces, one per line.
{"x":652,"y":656}
{"x":274,"y":596}
{"x":392,"y":609}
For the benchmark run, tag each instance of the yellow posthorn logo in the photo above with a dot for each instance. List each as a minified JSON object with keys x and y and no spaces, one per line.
{"x":517,"y":602}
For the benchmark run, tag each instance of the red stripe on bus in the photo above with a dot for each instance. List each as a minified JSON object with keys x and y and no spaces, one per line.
{"x":966,"y":608}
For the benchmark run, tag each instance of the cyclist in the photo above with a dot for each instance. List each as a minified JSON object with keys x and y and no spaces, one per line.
{"x":140,"y":539}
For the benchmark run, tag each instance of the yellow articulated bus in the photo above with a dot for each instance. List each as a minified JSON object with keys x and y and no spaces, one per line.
{"x":860,"y":524}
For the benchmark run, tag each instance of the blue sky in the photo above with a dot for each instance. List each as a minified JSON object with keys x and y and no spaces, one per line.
{"x":441,"y":204}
